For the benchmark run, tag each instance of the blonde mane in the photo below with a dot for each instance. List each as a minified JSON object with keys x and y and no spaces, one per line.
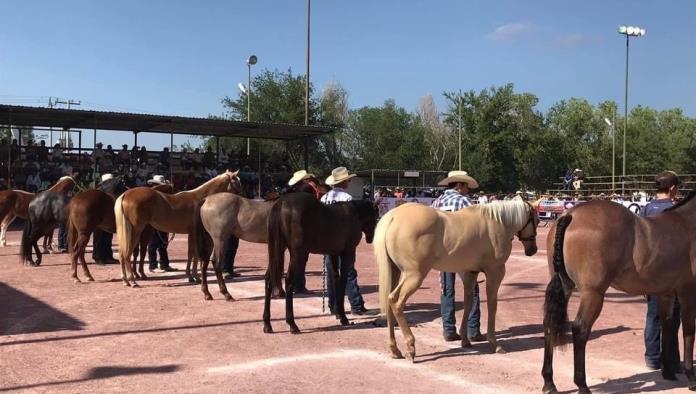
{"x":514,"y":213}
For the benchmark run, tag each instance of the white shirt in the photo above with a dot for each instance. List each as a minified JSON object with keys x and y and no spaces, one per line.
{"x":336,"y":194}
{"x":483,"y":200}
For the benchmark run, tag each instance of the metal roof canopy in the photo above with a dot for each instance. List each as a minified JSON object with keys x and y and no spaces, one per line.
{"x":146,"y":123}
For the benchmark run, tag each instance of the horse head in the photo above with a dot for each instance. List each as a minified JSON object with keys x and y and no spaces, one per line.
{"x":527,"y":234}
{"x":234,"y":184}
{"x":368,"y":214}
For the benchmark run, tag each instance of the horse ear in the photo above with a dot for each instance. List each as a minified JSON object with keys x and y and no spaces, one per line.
{"x":234,"y":173}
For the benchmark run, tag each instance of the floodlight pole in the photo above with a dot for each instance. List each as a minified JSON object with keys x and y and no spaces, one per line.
{"x":623,"y":164}
{"x":306,"y":108}
{"x":249,"y":105}
{"x":459,"y":105}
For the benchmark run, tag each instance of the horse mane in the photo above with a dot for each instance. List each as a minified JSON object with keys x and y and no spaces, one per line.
{"x":507,"y":212}
{"x":209,"y":181}
{"x":684,"y":201}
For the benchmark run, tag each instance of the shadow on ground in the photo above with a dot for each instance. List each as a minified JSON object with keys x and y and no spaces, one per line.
{"x":24,"y":314}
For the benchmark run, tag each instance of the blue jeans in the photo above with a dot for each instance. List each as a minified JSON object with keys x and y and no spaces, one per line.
{"x":62,"y":237}
{"x":447,"y":307}
{"x":347,"y":266}
{"x":653,"y":333}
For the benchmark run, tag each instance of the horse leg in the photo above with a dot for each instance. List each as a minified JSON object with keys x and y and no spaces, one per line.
{"x":469,"y":281}
{"x":73,"y":266}
{"x":267,"y":328}
{"x":687,"y":301}
{"x":36,"y":263}
{"x":134,"y":260}
{"x":493,"y":278}
{"x":6,"y":221}
{"x":296,"y":261}
{"x":204,"y":280}
{"x":143,"y":252}
{"x":670,"y":344}
{"x":393,"y":348}
{"x":591,"y":301}
{"x":409,"y":283}
{"x":82,"y":242}
{"x":217,"y":265}
{"x":192,"y":257}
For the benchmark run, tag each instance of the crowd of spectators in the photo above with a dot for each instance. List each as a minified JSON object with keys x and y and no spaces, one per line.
{"x":36,"y":167}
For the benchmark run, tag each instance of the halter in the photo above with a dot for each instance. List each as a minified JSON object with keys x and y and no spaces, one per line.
{"x":530,"y":221}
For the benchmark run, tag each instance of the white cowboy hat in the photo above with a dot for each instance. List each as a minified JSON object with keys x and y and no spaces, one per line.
{"x":459,"y":176}
{"x":157,"y":180}
{"x":298,"y":176}
{"x":106,"y":177}
{"x":338,"y":175}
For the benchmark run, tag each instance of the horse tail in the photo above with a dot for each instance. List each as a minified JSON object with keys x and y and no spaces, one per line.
{"x":27,"y":241}
{"x":276,"y":247}
{"x":203,"y":239}
{"x":385,"y":265}
{"x":124,"y":229}
{"x":558,"y":291}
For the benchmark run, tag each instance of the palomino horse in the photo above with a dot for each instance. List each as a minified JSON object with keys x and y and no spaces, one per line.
{"x":303,"y":225}
{"x":88,"y":211}
{"x":601,"y":244}
{"x":15,"y":203}
{"x":46,"y":212}
{"x":173,"y":213}
{"x":221,"y":217}
{"x":413,"y":239}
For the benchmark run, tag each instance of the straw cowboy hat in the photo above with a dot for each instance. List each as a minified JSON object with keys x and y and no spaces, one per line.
{"x":157,"y":180}
{"x":459,"y":176}
{"x":338,"y":175}
{"x":106,"y":177}
{"x":298,"y":176}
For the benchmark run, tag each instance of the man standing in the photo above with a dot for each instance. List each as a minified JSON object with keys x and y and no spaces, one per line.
{"x":159,"y":240}
{"x":102,"y":252}
{"x":339,"y":180}
{"x":452,"y":200}
{"x":667,"y":186}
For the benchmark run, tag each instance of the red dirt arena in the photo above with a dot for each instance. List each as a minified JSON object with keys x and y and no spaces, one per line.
{"x":58,"y":336}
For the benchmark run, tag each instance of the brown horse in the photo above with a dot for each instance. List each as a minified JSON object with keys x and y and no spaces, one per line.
{"x":141,"y":247}
{"x":303,"y":225}
{"x":221,"y":217}
{"x":141,"y":206}
{"x":413,"y":239}
{"x":601,"y":244}
{"x":15,"y":203}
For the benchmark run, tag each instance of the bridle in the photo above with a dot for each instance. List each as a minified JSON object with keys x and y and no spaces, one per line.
{"x":529,"y":221}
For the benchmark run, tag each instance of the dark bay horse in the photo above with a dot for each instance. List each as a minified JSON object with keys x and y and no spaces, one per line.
{"x":46,"y":211}
{"x":303,"y":225}
{"x":601,"y":244}
{"x":173,"y":213}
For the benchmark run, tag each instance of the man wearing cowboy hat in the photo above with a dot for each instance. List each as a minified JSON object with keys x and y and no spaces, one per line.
{"x":160,"y":239}
{"x":303,"y":181}
{"x":452,"y":200}
{"x":339,"y":180}
{"x":102,"y":252}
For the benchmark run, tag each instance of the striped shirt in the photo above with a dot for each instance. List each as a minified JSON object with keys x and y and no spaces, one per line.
{"x":451,"y":200}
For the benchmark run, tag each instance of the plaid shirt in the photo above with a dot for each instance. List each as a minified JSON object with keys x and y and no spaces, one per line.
{"x":450,"y":201}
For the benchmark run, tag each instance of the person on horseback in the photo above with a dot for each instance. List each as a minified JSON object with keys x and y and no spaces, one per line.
{"x":666,"y":185}
{"x":339,"y":180}
{"x":452,"y":200}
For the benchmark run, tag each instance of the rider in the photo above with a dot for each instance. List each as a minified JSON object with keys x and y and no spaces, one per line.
{"x":666,"y":185}
{"x":454,"y":199}
{"x":339,"y":180}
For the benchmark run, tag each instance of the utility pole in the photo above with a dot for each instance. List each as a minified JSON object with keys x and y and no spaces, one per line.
{"x":65,"y":134}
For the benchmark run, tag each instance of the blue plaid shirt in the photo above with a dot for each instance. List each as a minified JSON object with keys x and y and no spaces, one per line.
{"x":450,"y":201}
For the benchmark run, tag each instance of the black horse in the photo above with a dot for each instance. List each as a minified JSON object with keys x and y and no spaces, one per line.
{"x":46,"y":212}
{"x":302,"y":224}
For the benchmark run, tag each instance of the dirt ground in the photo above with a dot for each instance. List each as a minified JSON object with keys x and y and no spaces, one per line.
{"x":57,"y":336}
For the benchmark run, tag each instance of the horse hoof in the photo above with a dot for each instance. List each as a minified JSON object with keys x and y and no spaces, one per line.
{"x":135,"y":285}
{"x":499,"y":349}
{"x":395,"y":353}
{"x":207,"y":297}
{"x":669,"y":376}
{"x":198,"y":280}
{"x":267,"y":329}
{"x":411,"y":356}
{"x":229,"y":298}
{"x":465,"y":342}
{"x":549,"y":389}
{"x":76,"y":280}
{"x":584,"y":390}
{"x":126,"y":284}
{"x":344,"y":321}
{"x":294,"y":330}
{"x":191,"y":280}
{"x":90,"y":279}
{"x":692,"y":386}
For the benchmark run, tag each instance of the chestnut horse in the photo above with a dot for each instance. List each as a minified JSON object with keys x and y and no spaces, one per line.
{"x":413,"y":239}
{"x":15,"y":203}
{"x":140,"y":249}
{"x":601,"y":244}
{"x":303,"y":225}
{"x":173,"y":213}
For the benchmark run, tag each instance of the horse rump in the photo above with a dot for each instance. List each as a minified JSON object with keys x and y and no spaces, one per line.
{"x":558,"y":292}
{"x":204,"y":242}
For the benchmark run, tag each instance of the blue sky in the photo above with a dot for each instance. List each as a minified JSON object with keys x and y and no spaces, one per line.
{"x":182,"y":57}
